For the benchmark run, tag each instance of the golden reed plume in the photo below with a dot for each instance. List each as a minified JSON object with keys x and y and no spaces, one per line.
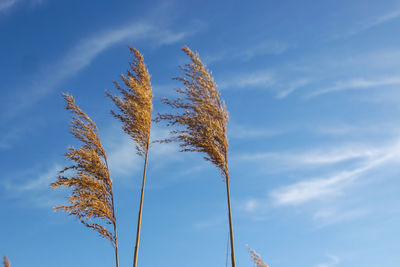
{"x":92,"y":196}
{"x":6,"y":262}
{"x":257,"y":258}
{"x":203,"y":118}
{"x":135,"y":107}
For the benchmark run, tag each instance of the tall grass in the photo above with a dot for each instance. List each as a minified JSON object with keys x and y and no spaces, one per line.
{"x":135,"y":107}
{"x":92,"y":197}
{"x":203,"y":118}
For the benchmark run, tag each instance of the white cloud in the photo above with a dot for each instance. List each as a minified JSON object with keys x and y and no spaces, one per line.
{"x":85,"y":52}
{"x":312,"y":189}
{"x":250,"y":205}
{"x":316,"y":157}
{"x":319,"y":195}
{"x":293,"y":86}
{"x":322,"y":188}
{"x":121,"y":151}
{"x":39,"y":183}
{"x":333,"y":260}
{"x":359,"y":83}
{"x":333,"y":72}
{"x":260,"y":79}
{"x":385,"y":17}
{"x":368,"y":24}
{"x":32,"y":187}
{"x":122,"y":158}
{"x":333,"y":155}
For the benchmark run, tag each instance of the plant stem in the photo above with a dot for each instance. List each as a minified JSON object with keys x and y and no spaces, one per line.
{"x":115,"y":231}
{"x":113,"y":213}
{"x":135,"y":257}
{"x":116,"y":245}
{"x":230,"y":221}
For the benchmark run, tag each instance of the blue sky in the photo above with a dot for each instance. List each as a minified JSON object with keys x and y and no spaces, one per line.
{"x":312,"y":88}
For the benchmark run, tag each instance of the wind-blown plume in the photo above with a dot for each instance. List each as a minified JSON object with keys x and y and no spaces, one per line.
{"x":135,"y":107}
{"x":257,"y":258}
{"x":6,"y":262}
{"x":92,"y":200}
{"x":203,"y":120}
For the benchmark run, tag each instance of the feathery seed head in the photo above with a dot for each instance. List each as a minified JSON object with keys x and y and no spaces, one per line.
{"x":135,"y":104}
{"x":203,"y":114}
{"x":91,"y":197}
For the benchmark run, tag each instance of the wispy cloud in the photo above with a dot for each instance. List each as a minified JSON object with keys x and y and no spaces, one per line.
{"x":384,"y":18}
{"x":318,"y":74}
{"x":321,"y":74}
{"x":322,"y":188}
{"x":122,"y":157}
{"x":358,"y":83}
{"x":320,"y":195}
{"x":250,"y":205}
{"x":83,"y":54}
{"x":364,"y":25}
{"x":291,"y":87}
{"x":305,"y":191}
{"x":333,"y":260}
{"x":39,"y":181}
{"x":33,"y":186}
{"x":316,"y":157}
{"x":121,"y":150}
{"x":260,"y":79}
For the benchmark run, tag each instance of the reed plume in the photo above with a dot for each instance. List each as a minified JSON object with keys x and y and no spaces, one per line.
{"x":91,"y":199}
{"x":257,"y":258}
{"x":203,"y":121}
{"x":135,"y":107}
{"x":6,"y":262}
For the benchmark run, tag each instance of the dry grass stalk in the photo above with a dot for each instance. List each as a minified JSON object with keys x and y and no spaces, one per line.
{"x":6,"y":262}
{"x":92,"y":200}
{"x":257,"y":258}
{"x":203,"y":120}
{"x":135,"y":107}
